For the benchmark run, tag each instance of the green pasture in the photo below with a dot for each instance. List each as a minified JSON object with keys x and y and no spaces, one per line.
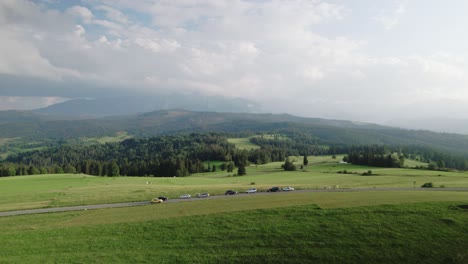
{"x":414,"y":163}
{"x":275,"y":228}
{"x":117,"y":137}
{"x":243,"y":143}
{"x":38,"y":191}
{"x":274,"y":136}
{"x":13,"y":146}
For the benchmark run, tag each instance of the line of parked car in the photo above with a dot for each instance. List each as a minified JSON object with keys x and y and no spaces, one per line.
{"x":161,"y":199}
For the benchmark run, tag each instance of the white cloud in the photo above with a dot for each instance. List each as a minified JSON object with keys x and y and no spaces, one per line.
{"x":23,"y":58}
{"x":313,"y":73}
{"x":27,"y":103}
{"x":114,"y":14}
{"x":269,"y":51}
{"x":156,"y":45}
{"x":81,"y":12}
{"x":79,"y":30}
{"x":390,"y":19}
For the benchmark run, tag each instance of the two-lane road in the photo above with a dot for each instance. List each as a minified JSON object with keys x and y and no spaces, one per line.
{"x":116,"y":205}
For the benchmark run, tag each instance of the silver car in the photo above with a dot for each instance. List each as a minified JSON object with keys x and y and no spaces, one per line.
{"x":251,"y":190}
{"x":203,"y":195}
{"x":185,"y":196}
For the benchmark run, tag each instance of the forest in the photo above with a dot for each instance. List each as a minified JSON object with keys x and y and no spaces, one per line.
{"x":184,"y":154}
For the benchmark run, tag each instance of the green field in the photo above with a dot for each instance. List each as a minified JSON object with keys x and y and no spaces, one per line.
{"x":243,"y":143}
{"x":117,"y":137}
{"x":11,"y":146}
{"x":414,"y":163}
{"x":38,"y":191}
{"x":289,"y":227}
{"x":276,"y":228}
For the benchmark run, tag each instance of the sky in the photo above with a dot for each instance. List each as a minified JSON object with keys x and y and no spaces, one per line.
{"x":362,"y":60}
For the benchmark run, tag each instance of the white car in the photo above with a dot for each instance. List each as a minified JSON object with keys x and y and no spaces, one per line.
{"x":289,"y":188}
{"x":251,"y":190}
{"x":203,"y":195}
{"x":185,"y":196}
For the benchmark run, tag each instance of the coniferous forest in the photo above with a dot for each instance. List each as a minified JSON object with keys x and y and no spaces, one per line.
{"x":182,"y":155}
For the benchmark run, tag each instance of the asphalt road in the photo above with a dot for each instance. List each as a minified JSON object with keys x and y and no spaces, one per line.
{"x":116,"y":205}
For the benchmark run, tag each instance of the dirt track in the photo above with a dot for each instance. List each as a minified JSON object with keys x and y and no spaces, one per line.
{"x":116,"y":205}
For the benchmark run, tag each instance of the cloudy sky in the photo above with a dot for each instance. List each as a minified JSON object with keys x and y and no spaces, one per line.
{"x":364,"y":60}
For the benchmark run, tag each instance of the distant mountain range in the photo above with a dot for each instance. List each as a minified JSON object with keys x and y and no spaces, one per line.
{"x":115,"y":106}
{"x":38,"y":126}
{"x":446,"y":125}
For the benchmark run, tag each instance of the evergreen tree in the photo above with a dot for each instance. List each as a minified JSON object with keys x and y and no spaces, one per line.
{"x":241,"y":170}
{"x":289,"y":165}
{"x":113,"y":169}
{"x":230,"y":167}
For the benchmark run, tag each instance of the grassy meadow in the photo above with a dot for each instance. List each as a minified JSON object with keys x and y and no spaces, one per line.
{"x":117,"y":137}
{"x":288,"y":227}
{"x":39,"y":191}
{"x":243,"y":143}
{"x":276,"y":228}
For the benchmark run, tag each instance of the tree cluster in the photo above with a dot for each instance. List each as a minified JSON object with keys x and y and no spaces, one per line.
{"x":158,"y":156}
{"x":377,"y":156}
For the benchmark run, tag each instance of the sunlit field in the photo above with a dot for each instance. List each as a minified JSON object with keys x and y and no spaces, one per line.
{"x":276,"y":228}
{"x":26,"y":192}
{"x":289,"y":227}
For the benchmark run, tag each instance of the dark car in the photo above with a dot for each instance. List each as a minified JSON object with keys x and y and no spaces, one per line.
{"x":164,"y":198}
{"x":274,"y":189}
{"x":230,"y":192}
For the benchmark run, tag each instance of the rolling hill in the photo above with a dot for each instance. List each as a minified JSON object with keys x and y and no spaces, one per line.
{"x":112,"y":106}
{"x":32,"y":126}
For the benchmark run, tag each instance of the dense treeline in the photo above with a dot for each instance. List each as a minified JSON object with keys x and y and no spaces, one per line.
{"x":277,"y":145}
{"x":378,"y":156}
{"x":159,"y":156}
{"x":437,"y":159}
{"x":185,"y":154}
{"x":394,"y":156}
{"x":178,"y":155}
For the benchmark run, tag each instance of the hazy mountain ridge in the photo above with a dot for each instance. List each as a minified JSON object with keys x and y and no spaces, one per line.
{"x":115,"y":106}
{"x":442,"y":125}
{"x":330,"y":132}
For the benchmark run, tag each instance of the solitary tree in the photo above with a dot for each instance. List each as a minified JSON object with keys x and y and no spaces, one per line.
{"x":306,"y":161}
{"x":288,"y":165}
{"x":241,"y":170}
{"x":230,"y":167}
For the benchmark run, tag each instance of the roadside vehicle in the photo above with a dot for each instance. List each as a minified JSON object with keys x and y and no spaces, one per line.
{"x":274,"y":189}
{"x":156,"y":200}
{"x":203,"y":195}
{"x":289,"y":188}
{"x":251,"y":190}
{"x":185,"y":196}
{"x":230,"y":192}
{"x":164,"y":198}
